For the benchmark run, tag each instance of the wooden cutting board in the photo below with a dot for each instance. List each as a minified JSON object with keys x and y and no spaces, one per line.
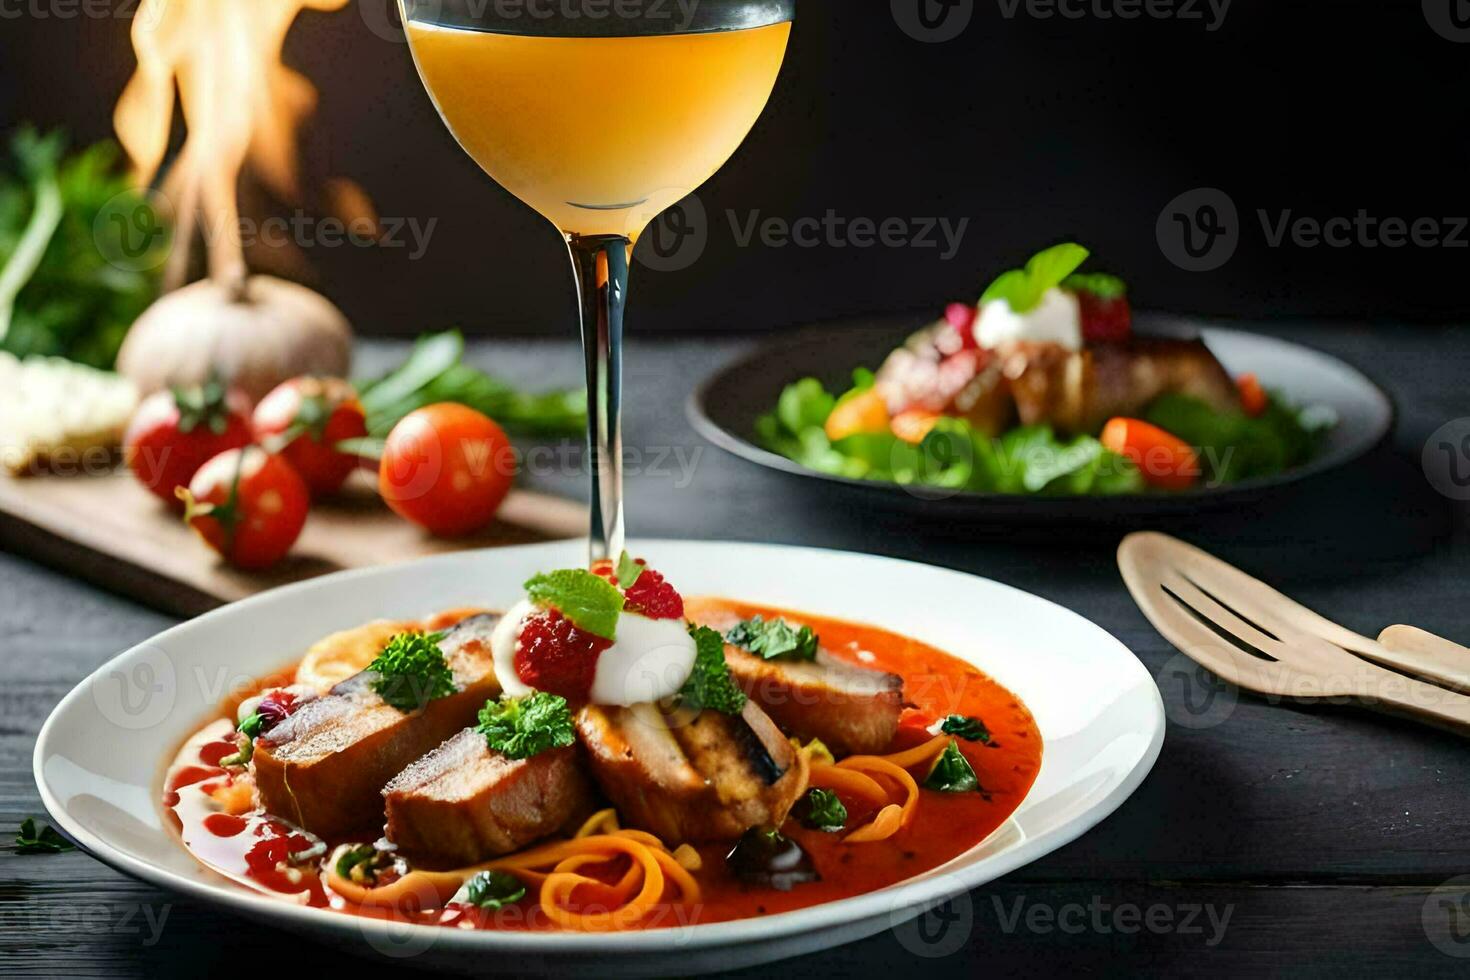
{"x":110,"y":531}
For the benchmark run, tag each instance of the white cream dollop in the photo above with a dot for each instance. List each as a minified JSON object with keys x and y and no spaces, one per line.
{"x":651,"y":659}
{"x":1057,"y":319}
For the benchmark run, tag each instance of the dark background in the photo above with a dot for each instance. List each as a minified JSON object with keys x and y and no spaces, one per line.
{"x":1036,"y":130}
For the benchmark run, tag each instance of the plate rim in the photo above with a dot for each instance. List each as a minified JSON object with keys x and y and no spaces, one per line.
{"x":898,"y":902}
{"x":696,"y":412}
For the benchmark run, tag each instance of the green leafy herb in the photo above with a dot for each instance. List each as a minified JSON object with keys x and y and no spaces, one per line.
{"x":1233,"y":446}
{"x":628,"y":571}
{"x":1099,"y":284}
{"x":1022,"y":289}
{"x":773,"y":639}
{"x":820,"y":809}
{"x":952,"y":772}
{"x":361,"y":863}
{"x":251,"y":726}
{"x":412,"y":671}
{"x":710,"y":684}
{"x":520,"y":728}
{"x":435,"y":373}
{"x":244,"y":753}
{"x":40,"y":839}
{"x":590,"y":602}
{"x":492,"y":890}
{"x":968,"y":728}
{"x":80,"y":251}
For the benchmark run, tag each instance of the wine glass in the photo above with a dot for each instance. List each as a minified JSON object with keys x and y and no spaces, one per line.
{"x":599,"y":116}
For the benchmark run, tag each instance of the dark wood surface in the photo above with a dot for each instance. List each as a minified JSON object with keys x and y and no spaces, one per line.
{"x":1269,"y":839}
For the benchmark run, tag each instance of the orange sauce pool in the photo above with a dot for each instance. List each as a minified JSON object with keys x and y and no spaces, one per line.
{"x":244,"y":848}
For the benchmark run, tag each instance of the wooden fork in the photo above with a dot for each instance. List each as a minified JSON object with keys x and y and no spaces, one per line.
{"x":1258,"y":639}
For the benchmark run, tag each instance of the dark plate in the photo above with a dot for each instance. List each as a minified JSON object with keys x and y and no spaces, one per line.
{"x":725,"y":407}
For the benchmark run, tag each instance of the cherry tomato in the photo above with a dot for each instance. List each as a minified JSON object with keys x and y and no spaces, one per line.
{"x":1253,"y":397}
{"x":1105,"y":319}
{"x":1167,"y":462}
{"x":311,"y":416}
{"x":173,"y":433}
{"x":247,"y":505}
{"x":446,"y":468}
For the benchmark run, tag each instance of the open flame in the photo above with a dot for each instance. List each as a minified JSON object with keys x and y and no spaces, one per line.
{"x":240,"y":103}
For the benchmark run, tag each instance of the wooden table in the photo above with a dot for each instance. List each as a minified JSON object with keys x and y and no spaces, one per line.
{"x":1269,"y":838}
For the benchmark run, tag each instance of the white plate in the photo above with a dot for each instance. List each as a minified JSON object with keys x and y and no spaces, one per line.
{"x":100,"y":757}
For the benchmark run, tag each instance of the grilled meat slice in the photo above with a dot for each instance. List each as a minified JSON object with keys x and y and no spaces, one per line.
{"x":692,"y":777}
{"x":853,"y":710}
{"x":464,"y":803}
{"x":1077,"y":392}
{"x":324,"y":767}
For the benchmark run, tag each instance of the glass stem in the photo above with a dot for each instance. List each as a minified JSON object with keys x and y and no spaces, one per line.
{"x":600,"y":263}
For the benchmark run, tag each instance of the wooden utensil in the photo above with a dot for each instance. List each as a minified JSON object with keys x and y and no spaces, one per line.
{"x":1258,"y":639}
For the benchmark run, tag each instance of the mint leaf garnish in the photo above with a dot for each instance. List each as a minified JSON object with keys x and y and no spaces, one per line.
{"x":1022,"y":289}
{"x":627,"y":572}
{"x":774,"y":638}
{"x":952,"y":772}
{"x":491,"y":890}
{"x":968,"y":728}
{"x":590,"y":602}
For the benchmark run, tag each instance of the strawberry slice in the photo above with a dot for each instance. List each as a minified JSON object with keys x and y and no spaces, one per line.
{"x":653,"y":597}
{"x":554,"y":656}
{"x":1105,"y":320}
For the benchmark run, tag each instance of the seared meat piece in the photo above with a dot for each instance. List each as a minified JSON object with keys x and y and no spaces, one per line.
{"x":324,"y":767}
{"x":1079,"y":392}
{"x":1072,"y":391}
{"x":464,"y":803}
{"x":692,"y":777}
{"x":853,"y":710}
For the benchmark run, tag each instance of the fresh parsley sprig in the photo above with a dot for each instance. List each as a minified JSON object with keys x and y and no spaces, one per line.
{"x":710,"y":684}
{"x":412,"y":671}
{"x":820,"y":809}
{"x":520,"y":728}
{"x":37,"y":838}
{"x":773,"y":639}
{"x":966,"y":727}
{"x":491,"y":890}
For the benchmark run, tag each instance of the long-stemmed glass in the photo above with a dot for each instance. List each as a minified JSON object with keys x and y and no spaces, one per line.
{"x":600,"y":114}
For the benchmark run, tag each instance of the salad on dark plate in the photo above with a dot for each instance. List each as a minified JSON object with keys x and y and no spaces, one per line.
{"x":1043,"y":387}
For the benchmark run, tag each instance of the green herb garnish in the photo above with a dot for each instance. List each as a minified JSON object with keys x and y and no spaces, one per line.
{"x":774,"y":638}
{"x":952,"y":772}
{"x":710,"y":684}
{"x":412,"y":671}
{"x":628,"y":571}
{"x":40,"y":839}
{"x":1099,"y":284}
{"x":491,"y":890}
{"x":1022,"y":289}
{"x":520,"y":728}
{"x":251,"y":726}
{"x":820,"y":809}
{"x":590,"y":602}
{"x":968,"y":728}
{"x":435,"y":373}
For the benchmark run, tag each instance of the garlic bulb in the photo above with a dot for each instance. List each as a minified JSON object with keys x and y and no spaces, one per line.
{"x":269,"y":331}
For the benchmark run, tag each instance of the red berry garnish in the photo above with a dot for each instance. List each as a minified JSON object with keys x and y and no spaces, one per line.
{"x":557,"y":657}
{"x":961,"y":317}
{"x":1105,"y":321}
{"x":651,"y":596}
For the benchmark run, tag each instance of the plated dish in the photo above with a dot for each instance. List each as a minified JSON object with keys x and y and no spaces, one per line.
{"x":575,"y":817}
{"x":1044,"y":387}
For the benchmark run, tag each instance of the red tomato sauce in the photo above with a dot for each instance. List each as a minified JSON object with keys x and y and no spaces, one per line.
{"x":264,"y":852}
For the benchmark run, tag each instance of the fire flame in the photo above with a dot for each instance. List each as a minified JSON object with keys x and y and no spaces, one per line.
{"x":240,"y":103}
